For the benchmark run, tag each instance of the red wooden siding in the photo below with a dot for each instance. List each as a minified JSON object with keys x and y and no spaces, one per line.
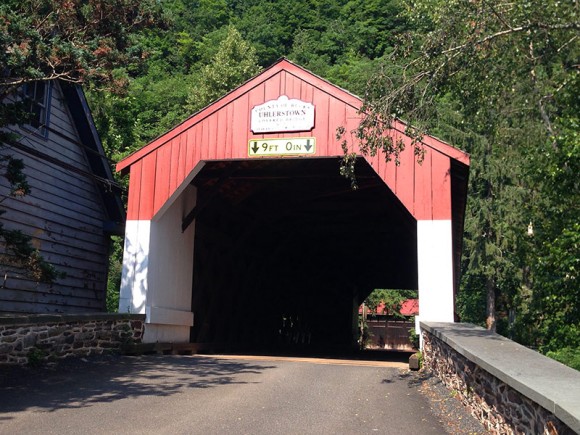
{"x":405,"y":176}
{"x":440,"y":186}
{"x":148,"y":178}
{"x":422,"y":188}
{"x":134,"y":188}
{"x":221,"y":131}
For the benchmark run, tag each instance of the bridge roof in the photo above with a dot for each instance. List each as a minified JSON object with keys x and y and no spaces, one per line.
{"x":433,"y":189}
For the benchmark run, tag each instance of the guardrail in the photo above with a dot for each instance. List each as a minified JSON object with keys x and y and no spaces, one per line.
{"x":508,"y":387}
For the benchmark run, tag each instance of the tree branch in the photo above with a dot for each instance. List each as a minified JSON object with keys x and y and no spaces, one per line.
{"x":567,"y":26}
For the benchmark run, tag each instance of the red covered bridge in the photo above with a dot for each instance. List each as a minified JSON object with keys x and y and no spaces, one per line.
{"x":238,"y":217}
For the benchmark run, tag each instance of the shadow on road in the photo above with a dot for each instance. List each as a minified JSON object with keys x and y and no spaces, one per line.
{"x":414,"y":379}
{"x":76,"y":383}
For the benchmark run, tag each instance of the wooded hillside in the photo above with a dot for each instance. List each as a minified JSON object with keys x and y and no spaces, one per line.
{"x":499,"y":80}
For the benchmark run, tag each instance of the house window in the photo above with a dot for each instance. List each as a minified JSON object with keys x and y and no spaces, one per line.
{"x":36,"y":98}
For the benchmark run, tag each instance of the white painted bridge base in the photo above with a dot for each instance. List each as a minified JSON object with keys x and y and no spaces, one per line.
{"x":158,"y":272}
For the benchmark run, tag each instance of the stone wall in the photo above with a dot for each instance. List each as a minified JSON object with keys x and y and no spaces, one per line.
{"x":501,"y":408}
{"x":36,"y":338}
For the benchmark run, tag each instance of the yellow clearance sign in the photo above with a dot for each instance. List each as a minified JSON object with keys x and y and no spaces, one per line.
{"x":291,"y":146}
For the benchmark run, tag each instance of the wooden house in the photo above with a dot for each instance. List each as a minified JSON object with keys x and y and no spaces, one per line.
{"x":72,"y":210}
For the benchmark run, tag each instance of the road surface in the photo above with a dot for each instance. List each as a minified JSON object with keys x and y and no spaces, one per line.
{"x":215,"y":395}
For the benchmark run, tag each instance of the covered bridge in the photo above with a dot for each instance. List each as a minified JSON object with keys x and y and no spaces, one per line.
{"x":239,"y":223}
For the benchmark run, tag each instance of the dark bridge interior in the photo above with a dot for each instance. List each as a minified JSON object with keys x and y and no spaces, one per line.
{"x":286,"y":250}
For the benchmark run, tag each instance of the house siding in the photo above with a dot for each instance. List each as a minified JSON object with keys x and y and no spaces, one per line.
{"x":64,"y":215}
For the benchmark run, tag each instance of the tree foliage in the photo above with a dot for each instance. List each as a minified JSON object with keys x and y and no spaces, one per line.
{"x":234,"y":63}
{"x":500,"y":80}
{"x":71,"y":40}
{"x":392,"y":300}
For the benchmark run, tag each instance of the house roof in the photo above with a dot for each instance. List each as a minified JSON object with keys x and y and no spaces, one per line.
{"x":409,"y":307}
{"x":95,"y":153}
{"x":221,"y":131}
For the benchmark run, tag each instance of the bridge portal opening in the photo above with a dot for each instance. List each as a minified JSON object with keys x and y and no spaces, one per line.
{"x":286,"y":250}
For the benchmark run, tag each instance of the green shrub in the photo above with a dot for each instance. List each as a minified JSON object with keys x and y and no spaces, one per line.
{"x":567,"y":355}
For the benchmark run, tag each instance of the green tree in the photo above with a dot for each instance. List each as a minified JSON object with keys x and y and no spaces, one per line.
{"x":73,"y":40}
{"x":270,"y":27}
{"x":553,"y":320}
{"x":392,"y":299}
{"x":114,"y":276}
{"x":373,"y":26}
{"x":498,"y":78}
{"x":234,"y":62}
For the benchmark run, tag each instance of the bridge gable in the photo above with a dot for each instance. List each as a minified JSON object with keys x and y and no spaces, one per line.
{"x":222,"y":131}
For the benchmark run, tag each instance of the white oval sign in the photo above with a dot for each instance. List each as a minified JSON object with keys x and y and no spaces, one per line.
{"x":283,"y":114}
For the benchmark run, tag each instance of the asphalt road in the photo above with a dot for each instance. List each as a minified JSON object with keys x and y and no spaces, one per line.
{"x":215,"y":395}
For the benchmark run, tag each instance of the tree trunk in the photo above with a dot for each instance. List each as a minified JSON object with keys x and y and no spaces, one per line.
{"x":490,"y":309}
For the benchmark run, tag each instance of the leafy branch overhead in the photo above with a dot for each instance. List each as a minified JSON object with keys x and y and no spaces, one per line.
{"x":70,"y":40}
{"x":481,"y":51}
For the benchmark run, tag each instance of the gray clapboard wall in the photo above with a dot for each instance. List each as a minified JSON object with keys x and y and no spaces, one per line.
{"x":65,"y":214}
